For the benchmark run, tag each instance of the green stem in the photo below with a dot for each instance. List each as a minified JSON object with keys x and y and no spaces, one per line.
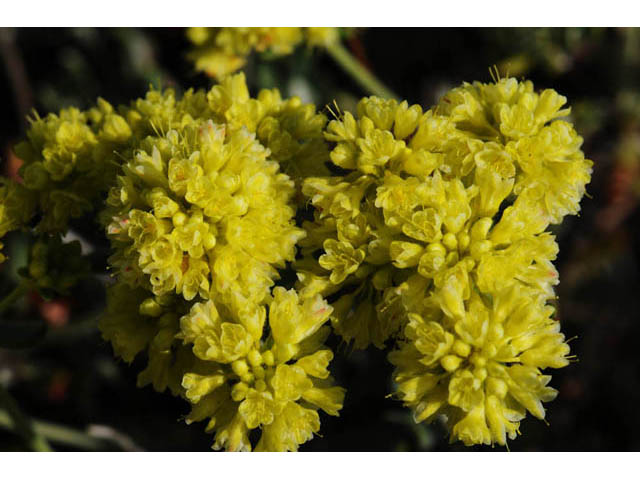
{"x":367,"y":80}
{"x":15,"y":295}
{"x":21,"y":423}
{"x":58,"y":434}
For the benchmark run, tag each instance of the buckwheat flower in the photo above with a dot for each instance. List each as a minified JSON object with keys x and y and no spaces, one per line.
{"x":421,"y":195}
{"x":221,"y":51}
{"x":544,"y":148}
{"x":290,"y":129}
{"x":69,"y":161}
{"x":321,"y":36}
{"x":236,"y":369}
{"x":244,"y":379}
{"x":128,"y":331}
{"x":137,"y":321}
{"x":202,"y":212}
{"x":483,"y":369}
{"x":200,"y":219}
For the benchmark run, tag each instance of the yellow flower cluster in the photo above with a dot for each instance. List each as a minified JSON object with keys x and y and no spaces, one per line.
{"x":429,"y":228}
{"x":236,"y":369}
{"x":200,"y":208}
{"x":483,"y":369}
{"x":242,"y":382}
{"x":200,"y":211}
{"x":223,"y":50}
{"x":69,"y":161}
{"x":437,"y":228}
{"x":291,"y":130}
{"x":200,"y":219}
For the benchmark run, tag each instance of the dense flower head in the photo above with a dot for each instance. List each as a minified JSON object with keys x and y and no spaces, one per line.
{"x":201,"y":212}
{"x":70,"y":161}
{"x":223,"y":50}
{"x":483,"y":369}
{"x":434,"y":229}
{"x":544,"y":149}
{"x":238,"y":370}
{"x":202,"y":209}
{"x":444,"y":195}
{"x":201,"y":218}
{"x":246,"y":378}
{"x":291,"y":130}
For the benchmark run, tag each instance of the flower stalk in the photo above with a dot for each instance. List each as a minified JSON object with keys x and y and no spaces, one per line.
{"x":22,"y":423}
{"x":367,"y":80}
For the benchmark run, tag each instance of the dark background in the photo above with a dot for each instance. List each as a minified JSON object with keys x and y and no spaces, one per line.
{"x":71,"y":378}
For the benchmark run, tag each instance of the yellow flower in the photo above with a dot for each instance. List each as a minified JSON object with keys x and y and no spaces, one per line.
{"x":69,"y":161}
{"x":221,"y":51}
{"x":482,"y":369}
{"x":421,"y":193}
{"x":200,"y":219}
{"x":341,"y":258}
{"x":290,"y":129}
{"x":429,"y":227}
{"x":547,"y":150}
{"x":206,"y":198}
{"x":242,"y":382}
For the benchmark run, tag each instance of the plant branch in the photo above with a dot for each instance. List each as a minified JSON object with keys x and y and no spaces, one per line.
{"x":61,"y":434}
{"x":13,"y":417}
{"x":17,"y":73}
{"x":367,"y":80}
